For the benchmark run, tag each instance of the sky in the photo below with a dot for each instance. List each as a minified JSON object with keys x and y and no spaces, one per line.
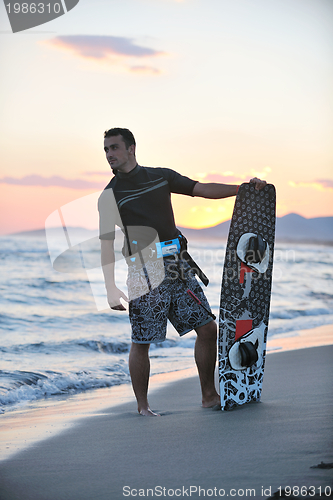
{"x":218,"y":90}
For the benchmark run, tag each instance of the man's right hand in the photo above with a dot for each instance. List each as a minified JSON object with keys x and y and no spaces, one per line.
{"x":114,"y":295}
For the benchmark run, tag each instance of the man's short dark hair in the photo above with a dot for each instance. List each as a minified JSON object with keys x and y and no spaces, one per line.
{"x":126,"y":134}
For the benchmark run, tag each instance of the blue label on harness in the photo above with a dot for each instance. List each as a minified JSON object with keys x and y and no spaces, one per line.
{"x":165,"y":248}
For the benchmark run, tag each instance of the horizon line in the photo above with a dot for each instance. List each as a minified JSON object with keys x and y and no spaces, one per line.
{"x":183,"y":227}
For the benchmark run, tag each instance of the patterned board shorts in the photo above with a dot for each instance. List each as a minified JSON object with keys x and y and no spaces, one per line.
{"x":168,"y":300}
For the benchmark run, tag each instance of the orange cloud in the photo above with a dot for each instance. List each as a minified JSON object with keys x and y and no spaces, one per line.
{"x":93,"y":173}
{"x":224,"y":178}
{"x":145,"y":70}
{"x":110,"y":49}
{"x":320,"y":184}
{"x":53,"y":181}
{"x":230,"y":177}
{"x":100,"y":47}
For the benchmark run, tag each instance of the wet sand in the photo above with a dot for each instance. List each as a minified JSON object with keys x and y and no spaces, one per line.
{"x":108,"y":452}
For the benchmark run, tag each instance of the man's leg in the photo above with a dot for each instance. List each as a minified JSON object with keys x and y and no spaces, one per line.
{"x":205,"y":358}
{"x":139,"y":366}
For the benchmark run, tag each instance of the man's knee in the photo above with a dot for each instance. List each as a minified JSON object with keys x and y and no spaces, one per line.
{"x":208,"y":331}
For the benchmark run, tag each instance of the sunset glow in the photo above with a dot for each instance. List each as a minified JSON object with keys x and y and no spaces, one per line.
{"x":220,"y":91}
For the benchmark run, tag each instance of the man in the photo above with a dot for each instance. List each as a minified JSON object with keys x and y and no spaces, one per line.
{"x":140,"y":198}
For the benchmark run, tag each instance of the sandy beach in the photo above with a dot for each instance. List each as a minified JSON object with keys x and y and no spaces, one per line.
{"x":100,"y":448}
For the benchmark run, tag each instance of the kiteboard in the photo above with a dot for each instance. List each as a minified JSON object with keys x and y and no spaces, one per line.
{"x":245,"y":296}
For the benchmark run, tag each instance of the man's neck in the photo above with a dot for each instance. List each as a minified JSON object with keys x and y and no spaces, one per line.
{"x":129,"y":166}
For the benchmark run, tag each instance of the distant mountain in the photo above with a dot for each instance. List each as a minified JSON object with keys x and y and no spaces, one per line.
{"x":290,"y":228}
{"x":214,"y":232}
{"x":294,"y":227}
{"x":55,"y":231}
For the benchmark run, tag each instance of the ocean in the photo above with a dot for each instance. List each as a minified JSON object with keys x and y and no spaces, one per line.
{"x":57,"y":338}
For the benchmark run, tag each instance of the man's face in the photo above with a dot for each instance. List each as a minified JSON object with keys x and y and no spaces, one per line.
{"x":116,"y":153}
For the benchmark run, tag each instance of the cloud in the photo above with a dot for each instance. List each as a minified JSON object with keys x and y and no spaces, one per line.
{"x":262,"y":174}
{"x":104,"y":173}
{"x":112,"y":50}
{"x":223,"y":178}
{"x":230,"y":177}
{"x":325,"y":183}
{"x":101,"y":47}
{"x":53,"y":181}
{"x":320,"y":184}
{"x":145,"y":70}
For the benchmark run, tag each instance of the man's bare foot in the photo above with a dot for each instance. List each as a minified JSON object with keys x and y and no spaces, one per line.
{"x":211,"y":402}
{"x":148,"y":413}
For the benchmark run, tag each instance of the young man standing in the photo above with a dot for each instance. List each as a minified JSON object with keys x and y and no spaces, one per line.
{"x":138,"y":199}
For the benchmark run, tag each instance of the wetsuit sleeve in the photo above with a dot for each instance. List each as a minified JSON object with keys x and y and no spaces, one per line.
{"x":178,"y":183}
{"x":109,"y":215}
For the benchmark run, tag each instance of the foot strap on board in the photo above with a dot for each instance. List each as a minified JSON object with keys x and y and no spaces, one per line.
{"x":249,"y":354}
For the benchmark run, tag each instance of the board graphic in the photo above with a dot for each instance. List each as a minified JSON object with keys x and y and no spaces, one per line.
{"x":245,"y":296}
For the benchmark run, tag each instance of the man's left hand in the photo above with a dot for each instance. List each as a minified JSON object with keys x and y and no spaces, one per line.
{"x":259,"y":184}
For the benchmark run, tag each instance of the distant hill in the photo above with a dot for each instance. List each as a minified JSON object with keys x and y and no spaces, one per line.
{"x":293,"y":227}
{"x":290,"y":228}
{"x":78,"y":231}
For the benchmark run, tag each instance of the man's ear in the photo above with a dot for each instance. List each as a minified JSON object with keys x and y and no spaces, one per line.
{"x":131,"y":149}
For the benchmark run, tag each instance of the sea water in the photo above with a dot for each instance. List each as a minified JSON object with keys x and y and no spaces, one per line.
{"x":56,"y":338}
